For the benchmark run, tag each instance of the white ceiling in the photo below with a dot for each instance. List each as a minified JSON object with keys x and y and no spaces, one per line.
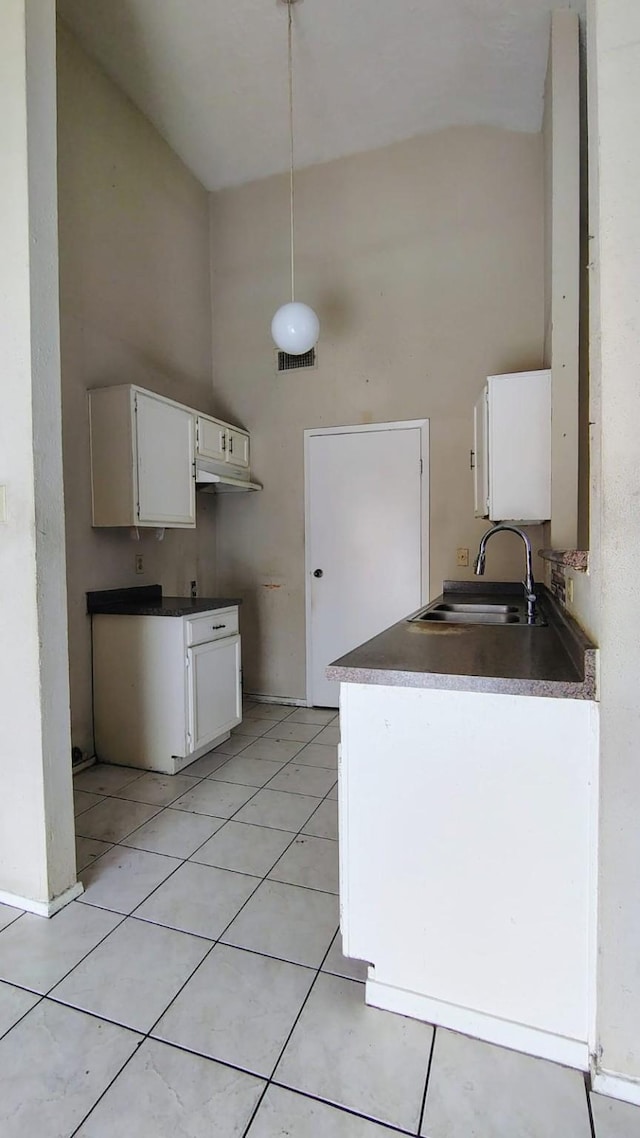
{"x":211,"y":74}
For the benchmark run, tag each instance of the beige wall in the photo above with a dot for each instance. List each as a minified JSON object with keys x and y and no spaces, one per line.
{"x":424,"y":261}
{"x":37,"y":857}
{"x":614,"y":95}
{"x":135,"y":308}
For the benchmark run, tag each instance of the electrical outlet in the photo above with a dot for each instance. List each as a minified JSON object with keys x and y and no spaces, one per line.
{"x":462,"y":558}
{"x":194,"y":588}
{"x":139,"y":563}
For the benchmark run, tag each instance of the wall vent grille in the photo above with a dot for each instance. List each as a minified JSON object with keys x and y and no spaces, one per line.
{"x":294,"y":363}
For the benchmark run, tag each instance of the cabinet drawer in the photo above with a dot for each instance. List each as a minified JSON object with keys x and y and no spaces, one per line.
{"x":212,"y":626}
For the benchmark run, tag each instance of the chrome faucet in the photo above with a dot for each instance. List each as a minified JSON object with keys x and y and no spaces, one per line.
{"x":528,"y":582}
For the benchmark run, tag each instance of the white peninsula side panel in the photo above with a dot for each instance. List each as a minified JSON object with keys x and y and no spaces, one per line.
{"x":467,"y":831}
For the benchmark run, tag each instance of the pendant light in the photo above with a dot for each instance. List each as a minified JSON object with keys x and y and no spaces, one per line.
{"x":295,"y":326}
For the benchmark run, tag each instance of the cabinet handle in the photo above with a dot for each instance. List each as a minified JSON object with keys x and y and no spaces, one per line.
{"x":223,"y":445}
{"x":215,"y":627}
{"x":231,"y":444}
{"x":472,"y":460}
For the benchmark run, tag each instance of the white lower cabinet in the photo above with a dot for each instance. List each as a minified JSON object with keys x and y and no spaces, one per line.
{"x":467,"y":838}
{"x":215,"y":703}
{"x":166,"y":689}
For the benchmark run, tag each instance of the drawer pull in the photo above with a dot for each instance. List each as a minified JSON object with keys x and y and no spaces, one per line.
{"x":215,"y":627}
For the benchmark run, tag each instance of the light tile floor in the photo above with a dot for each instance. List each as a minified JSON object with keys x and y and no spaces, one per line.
{"x":198,"y":987}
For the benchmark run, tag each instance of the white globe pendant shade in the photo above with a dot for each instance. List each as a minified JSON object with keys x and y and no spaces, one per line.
{"x":295,"y":328}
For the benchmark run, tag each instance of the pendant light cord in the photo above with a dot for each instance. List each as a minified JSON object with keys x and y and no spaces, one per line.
{"x":291,"y":190}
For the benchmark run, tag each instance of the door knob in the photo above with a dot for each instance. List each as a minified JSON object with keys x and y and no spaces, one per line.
{"x":317,"y":572}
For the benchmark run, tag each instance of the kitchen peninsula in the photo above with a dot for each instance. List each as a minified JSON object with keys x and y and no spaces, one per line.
{"x":468,"y":820}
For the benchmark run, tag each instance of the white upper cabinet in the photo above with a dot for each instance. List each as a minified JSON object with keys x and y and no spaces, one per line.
{"x":511,"y":459}
{"x":211,"y":439}
{"x":237,"y":447}
{"x":165,"y":443}
{"x":142,"y":459}
{"x":479,"y":457}
{"x":220,"y":442}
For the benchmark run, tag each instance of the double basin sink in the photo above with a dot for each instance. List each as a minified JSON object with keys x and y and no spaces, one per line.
{"x":478,"y":612}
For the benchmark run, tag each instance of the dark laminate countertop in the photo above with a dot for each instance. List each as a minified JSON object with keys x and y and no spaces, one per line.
{"x":557,"y":660}
{"x":147,"y":600}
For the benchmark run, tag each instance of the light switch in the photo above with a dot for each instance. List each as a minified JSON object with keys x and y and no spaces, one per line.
{"x":3,"y":503}
{"x":462,"y":558}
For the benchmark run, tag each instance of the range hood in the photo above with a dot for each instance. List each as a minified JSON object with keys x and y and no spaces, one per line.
{"x":213,"y":483}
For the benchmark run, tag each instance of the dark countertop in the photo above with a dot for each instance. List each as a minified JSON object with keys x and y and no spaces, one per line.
{"x":557,"y":660}
{"x":147,"y":600}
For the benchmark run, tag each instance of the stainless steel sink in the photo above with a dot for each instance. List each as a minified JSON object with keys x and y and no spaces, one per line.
{"x":476,"y":612}
{"x":465,"y":617}
{"x":473,"y":607}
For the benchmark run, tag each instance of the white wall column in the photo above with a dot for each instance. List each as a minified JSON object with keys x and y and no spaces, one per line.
{"x":37,"y":859}
{"x":561,"y":134}
{"x":614,"y":131}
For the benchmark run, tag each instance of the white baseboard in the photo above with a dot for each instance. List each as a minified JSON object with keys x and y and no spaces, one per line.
{"x":42,"y":908}
{"x":491,"y":1029}
{"x":90,"y":761}
{"x":286,"y":700}
{"x":616,"y":1086}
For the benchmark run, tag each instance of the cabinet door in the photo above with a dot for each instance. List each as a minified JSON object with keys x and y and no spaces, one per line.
{"x":480,"y":460}
{"x":237,"y":447}
{"x":165,"y":448}
{"x":519,"y":446}
{"x":212,"y":439}
{"x":215,"y":699}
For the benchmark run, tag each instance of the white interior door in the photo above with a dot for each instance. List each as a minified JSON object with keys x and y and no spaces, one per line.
{"x":366,"y":539}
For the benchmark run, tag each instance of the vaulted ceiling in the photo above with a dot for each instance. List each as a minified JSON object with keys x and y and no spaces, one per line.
{"x":212,"y":74}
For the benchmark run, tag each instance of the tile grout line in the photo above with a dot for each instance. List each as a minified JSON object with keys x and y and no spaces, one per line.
{"x":13,"y":920}
{"x":290,"y":1033}
{"x":272,"y":1081}
{"x":341,"y":1107}
{"x":587,"y":1089}
{"x":83,"y":958}
{"x":111,"y":1082}
{"x":207,"y":778}
{"x":28,"y":1011}
{"x":183,"y":861}
{"x":204,"y":778}
{"x":426,"y":1082}
{"x":46,"y":995}
{"x":148,"y":1034}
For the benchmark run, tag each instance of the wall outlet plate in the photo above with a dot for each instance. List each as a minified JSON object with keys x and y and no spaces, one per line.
{"x":462,"y":558}
{"x":139,"y":563}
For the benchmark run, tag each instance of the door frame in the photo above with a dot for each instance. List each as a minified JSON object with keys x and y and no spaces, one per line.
{"x":423,"y":426}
